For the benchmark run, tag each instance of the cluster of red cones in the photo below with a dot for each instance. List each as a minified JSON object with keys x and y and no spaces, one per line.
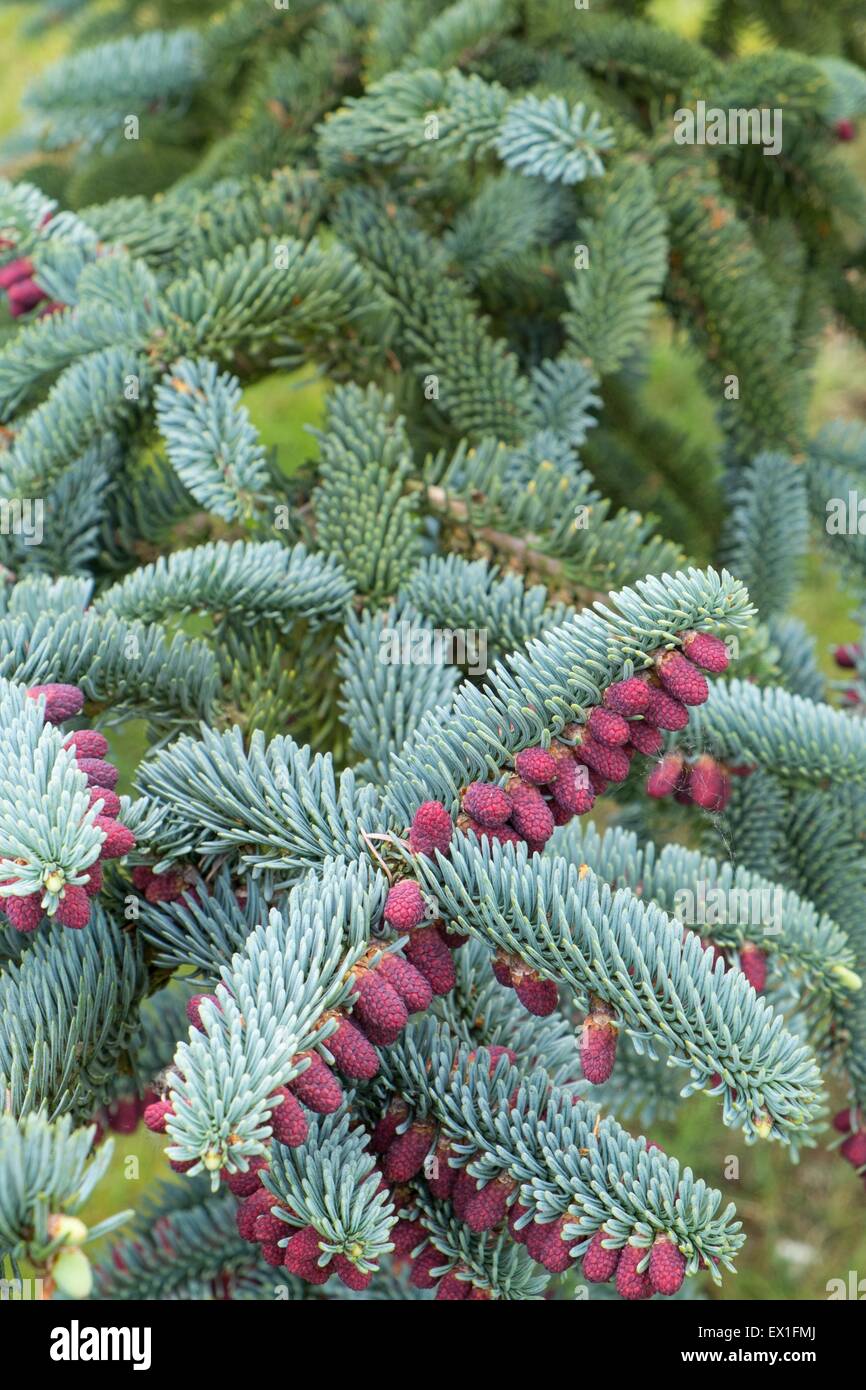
{"x":414,"y":1151}
{"x":639,"y":1272}
{"x":385,"y":992}
{"x":25,"y":912}
{"x":283,"y":1242}
{"x":703,"y":781}
{"x":549,"y":786}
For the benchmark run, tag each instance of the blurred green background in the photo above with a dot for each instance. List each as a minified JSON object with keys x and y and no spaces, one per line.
{"x":806,"y":1224}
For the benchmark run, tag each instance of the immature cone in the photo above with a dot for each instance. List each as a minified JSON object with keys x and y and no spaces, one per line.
{"x":502,"y":964}
{"x":288,"y":1121}
{"x":88,"y":743}
{"x":452,"y":939}
{"x":19,"y":269}
{"x":608,"y":727}
{"x":163,"y":888}
{"x":629,"y":1283}
{"x":847,"y":656}
{"x":530,"y":813}
{"x":269,"y":1229}
{"x":119,"y":840}
{"x":23,"y":296}
{"x":405,"y":907}
{"x":464,"y":1189}
{"x":572,"y":794}
{"x":610,"y":763}
{"x":385,"y":1130}
{"x":667,"y":1266}
{"x":98,"y":772}
{"x":24,"y":913}
{"x":353,"y":1053}
{"x":317,"y":1087}
{"x":666,"y":712}
{"x":682,"y":791}
{"x":351,"y":1275}
{"x":246,"y":1183}
{"x":123,"y":1115}
{"x":405,"y":1236}
{"x":503,"y":834}
{"x":61,"y":701}
{"x":515,"y":1212}
{"x":452,"y":1289}
{"x":407,"y":1152}
{"x":487,"y":1207}
{"x":598,"y":1041}
{"x":537,"y":995}
{"x":628,"y":698}
{"x":487,"y":803}
{"x":753,"y":964}
{"x":430,"y":830}
{"x":645,"y":737}
{"x":430,"y":956}
{"x":440,"y":1175}
{"x":302,"y":1254}
{"x":844,"y":1121}
{"x":709,"y":785}
{"x":110,"y":800}
{"x":193,"y":1008}
{"x":665,"y":776}
{"x":156,"y":1116}
{"x":536,"y":765}
{"x":73,"y":910}
{"x":428,"y":1259}
{"x":378,"y":1007}
{"x":845,"y":130}
{"x":406,"y":981}
{"x":681,"y":678}
{"x":706,"y":651}
{"x":599,"y":1263}
{"x":249,"y":1211}
{"x":181,"y":1165}
{"x":854,"y":1149}
{"x":546,"y":1244}
{"x":94,"y":880}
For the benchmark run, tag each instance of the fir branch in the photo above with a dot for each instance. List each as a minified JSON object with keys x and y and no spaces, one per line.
{"x":528,"y":1129}
{"x":542,"y":688}
{"x":71,"y":1010}
{"x":542,"y":138}
{"x":392,"y":675}
{"x":86,"y":97}
{"x":331,"y":1182}
{"x":48,"y":1170}
{"x":211,"y":442}
{"x":363,"y":516}
{"x":744,"y":906}
{"x":275,"y":805}
{"x":766,"y":531}
{"x":800,"y":741}
{"x":570,"y":927}
{"x":247,"y":582}
{"x":611,"y":298}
